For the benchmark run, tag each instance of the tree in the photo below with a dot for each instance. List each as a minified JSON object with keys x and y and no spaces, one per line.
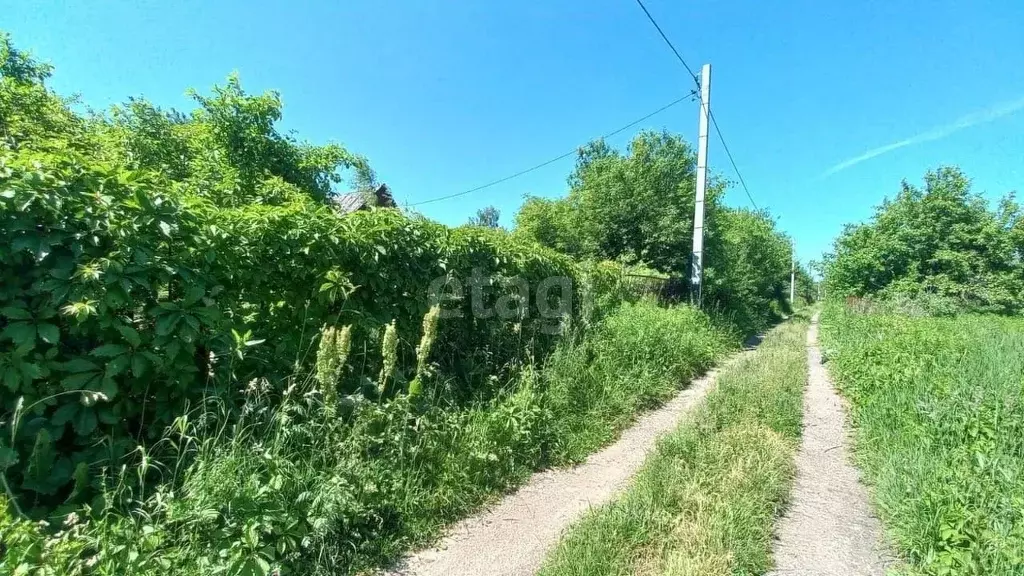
{"x":30,"y":111}
{"x":637,"y":208}
{"x":748,"y":263}
{"x":228,"y":150}
{"x":487,"y":217}
{"x":942,"y":240}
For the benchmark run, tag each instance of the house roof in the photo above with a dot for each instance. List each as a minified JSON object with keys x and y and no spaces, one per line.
{"x":357,"y":200}
{"x":349,"y":202}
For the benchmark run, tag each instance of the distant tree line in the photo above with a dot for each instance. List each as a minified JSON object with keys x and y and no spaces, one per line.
{"x":637,"y":206}
{"x":941,"y":244}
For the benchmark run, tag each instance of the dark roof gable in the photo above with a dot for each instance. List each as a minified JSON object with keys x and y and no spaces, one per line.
{"x":357,"y":200}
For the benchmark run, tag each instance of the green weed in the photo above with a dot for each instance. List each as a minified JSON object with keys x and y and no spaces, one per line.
{"x":312,"y":483}
{"x":706,"y":500}
{"x":637,"y":359}
{"x":937,"y":406}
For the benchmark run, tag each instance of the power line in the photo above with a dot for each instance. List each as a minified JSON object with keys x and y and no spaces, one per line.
{"x":669,"y":42}
{"x":556,"y":159}
{"x":710,"y":114}
{"x":733,"y":162}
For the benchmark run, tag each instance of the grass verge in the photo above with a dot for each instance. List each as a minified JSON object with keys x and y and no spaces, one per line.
{"x":635,"y":361}
{"x":939,"y":432}
{"x":706,"y":500}
{"x":304,"y":487}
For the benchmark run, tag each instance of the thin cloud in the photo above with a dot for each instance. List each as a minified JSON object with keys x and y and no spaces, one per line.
{"x":973,"y":119}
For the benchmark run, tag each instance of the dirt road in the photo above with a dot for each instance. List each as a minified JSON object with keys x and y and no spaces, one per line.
{"x":830,"y":528}
{"x":513,"y":537}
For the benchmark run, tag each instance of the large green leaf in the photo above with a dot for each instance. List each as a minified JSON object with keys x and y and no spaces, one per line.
{"x":49,"y":333}
{"x":165,"y":323}
{"x":19,"y":332}
{"x":108,"y":351}
{"x":40,"y":461}
{"x":30,"y":371}
{"x":118,"y":365}
{"x":11,"y":378}
{"x":109,"y":388}
{"x":80,"y":364}
{"x":131,"y":335}
{"x":79,"y":381}
{"x":84,"y":421}
{"x":15,"y":313}
{"x":139,"y":365}
{"x":64,"y":414}
{"x":8,"y":457}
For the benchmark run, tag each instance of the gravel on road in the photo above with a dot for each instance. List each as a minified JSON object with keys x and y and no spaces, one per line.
{"x":830,"y":528}
{"x":513,"y":537}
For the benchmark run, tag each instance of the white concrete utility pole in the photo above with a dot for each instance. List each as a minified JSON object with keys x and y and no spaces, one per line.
{"x":697,"y":258}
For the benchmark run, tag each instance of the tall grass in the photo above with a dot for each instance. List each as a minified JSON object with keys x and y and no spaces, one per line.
{"x":937,"y":406}
{"x":635,"y":361}
{"x":705,"y":501}
{"x":314,"y":487}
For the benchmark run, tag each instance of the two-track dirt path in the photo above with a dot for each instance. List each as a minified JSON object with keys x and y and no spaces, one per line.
{"x":829,"y":528}
{"x":513,"y":537}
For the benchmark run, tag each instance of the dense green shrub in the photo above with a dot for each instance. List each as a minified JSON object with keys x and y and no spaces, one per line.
{"x":150,"y":262}
{"x":637,"y":208}
{"x":311,"y":488}
{"x":747,"y":274}
{"x":937,"y":406}
{"x":942,"y":244}
{"x":111,"y":287}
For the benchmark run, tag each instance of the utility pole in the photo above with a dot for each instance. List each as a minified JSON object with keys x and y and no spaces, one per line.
{"x":792,"y":277}
{"x":697,"y":258}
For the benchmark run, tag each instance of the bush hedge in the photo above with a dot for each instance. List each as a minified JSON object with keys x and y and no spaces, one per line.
{"x":294,"y":488}
{"x":151,"y":261}
{"x":124,"y":304}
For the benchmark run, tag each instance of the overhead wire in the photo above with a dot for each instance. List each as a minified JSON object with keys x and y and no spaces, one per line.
{"x":732,"y":161}
{"x":555,"y":159}
{"x":696,"y":81}
{"x":669,"y":42}
{"x":711,"y":115}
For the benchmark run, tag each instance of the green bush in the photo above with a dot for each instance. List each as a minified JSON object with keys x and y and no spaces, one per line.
{"x":942,"y":245}
{"x":314,"y":488}
{"x":634,"y":360}
{"x":136,"y":285}
{"x":636,"y":207}
{"x":936,"y":403}
{"x":141,"y":300}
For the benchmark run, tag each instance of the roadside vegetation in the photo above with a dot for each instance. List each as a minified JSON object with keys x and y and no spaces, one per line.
{"x":925,"y":340}
{"x":940,"y":249}
{"x":314,"y":484}
{"x":938,"y":409}
{"x":207,"y":368}
{"x":636,"y":207}
{"x":706,"y":500}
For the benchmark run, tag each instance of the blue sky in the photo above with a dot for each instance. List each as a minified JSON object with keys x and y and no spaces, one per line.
{"x":826,"y":106}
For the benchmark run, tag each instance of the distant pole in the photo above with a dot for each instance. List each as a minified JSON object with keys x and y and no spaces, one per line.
{"x":697,"y":258}
{"x":792,"y":278}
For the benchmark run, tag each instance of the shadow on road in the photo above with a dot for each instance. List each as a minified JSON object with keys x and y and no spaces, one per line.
{"x":753,"y":341}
